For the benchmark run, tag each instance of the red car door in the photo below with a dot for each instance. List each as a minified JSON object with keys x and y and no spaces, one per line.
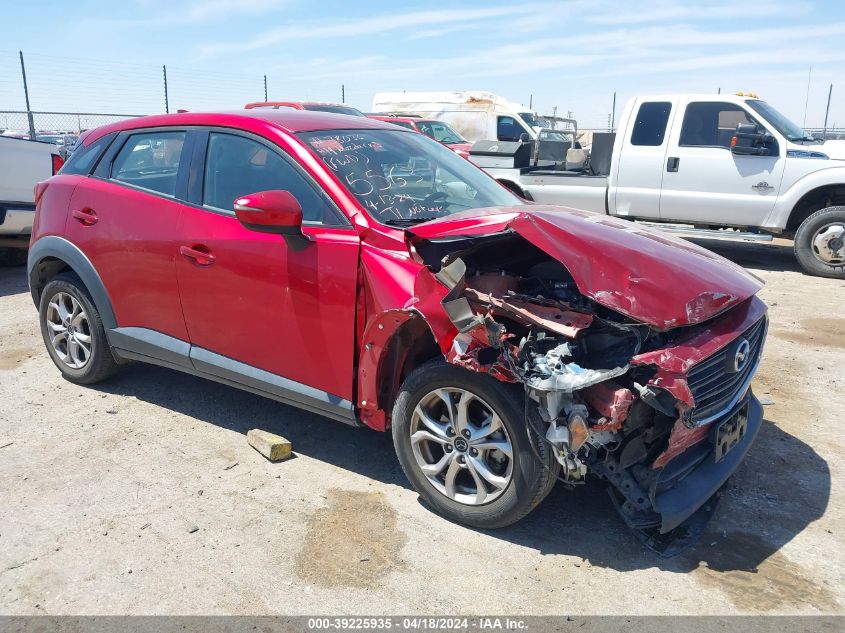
{"x":258,"y":306}
{"x":124,"y":219}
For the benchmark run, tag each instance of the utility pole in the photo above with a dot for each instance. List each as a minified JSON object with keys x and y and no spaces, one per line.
{"x":166,"y":102}
{"x":826,"y":112}
{"x":265,"y":88}
{"x":26,"y":96}
{"x":807,"y":100}
{"x":342,"y":93}
{"x":531,"y":102}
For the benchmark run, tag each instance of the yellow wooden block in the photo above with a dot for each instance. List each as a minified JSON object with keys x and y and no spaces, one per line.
{"x":273,"y":447}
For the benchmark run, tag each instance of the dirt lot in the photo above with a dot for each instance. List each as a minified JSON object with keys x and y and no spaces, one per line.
{"x":142,"y":496}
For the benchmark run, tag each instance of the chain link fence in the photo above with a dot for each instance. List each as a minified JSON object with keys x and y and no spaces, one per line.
{"x":17,"y":121}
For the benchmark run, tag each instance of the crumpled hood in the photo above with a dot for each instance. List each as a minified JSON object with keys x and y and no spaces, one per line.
{"x":643,"y":273}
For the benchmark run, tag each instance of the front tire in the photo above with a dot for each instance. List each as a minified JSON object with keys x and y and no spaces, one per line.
{"x":820,"y":243}
{"x":73,"y":331}
{"x":463,"y":443}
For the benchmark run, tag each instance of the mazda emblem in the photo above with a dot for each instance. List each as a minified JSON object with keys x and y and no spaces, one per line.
{"x":741,"y":354}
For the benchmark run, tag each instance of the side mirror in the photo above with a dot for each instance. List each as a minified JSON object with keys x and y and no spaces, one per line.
{"x":749,"y":140}
{"x":270,"y":212}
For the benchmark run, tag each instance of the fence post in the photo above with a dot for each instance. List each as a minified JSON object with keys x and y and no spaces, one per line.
{"x":26,"y":96}
{"x":166,"y":103}
{"x":265,"y":88}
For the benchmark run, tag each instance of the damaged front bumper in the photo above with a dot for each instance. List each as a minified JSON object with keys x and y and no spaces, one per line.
{"x":687,"y":482}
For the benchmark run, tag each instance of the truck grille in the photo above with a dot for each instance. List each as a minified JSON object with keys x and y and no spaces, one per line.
{"x":713,"y":386}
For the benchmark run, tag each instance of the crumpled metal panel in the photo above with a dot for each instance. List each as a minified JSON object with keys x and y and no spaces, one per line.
{"x":647,"y":275}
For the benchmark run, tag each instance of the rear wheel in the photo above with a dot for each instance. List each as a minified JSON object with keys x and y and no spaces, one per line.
{"x":462,"y":441}
{"x":73,"y":332}
{"x":820,"y":243}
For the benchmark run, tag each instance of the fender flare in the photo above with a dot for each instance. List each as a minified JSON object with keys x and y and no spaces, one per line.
{"x":52,"y":246}
{"x":376,"y":341}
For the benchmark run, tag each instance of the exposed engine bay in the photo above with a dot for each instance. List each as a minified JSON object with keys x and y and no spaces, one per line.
{"x":601,"y":388}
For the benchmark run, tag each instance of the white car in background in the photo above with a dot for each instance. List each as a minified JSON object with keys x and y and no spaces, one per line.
{"x":23,"y":163}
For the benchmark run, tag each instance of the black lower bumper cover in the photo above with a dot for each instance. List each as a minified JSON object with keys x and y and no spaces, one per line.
{"x":681,"y":501}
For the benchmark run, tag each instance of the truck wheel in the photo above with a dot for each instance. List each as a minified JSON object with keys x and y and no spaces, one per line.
{"x":463,"y":443}
{"x":820,"y":243}
{"x":73,"y":331}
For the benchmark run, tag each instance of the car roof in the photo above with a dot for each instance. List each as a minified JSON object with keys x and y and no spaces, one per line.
{"x":290,"y":121}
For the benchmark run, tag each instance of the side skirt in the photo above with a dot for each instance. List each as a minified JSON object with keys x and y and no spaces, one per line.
{"x":149,"y":346}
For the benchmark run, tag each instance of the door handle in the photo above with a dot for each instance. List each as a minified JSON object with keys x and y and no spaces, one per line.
{"x":199,"y":253}
{"x":672,"y":163}
{"x":86,"y":216}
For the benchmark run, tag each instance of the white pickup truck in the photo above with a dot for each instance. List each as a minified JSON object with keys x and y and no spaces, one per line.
{"x":710,"y":161}
{"x":23,"y":163}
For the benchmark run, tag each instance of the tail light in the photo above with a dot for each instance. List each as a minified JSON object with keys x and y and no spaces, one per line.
{"x":58,"y":161}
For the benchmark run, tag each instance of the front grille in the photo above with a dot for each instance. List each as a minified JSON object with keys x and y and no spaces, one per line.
{"x":712,"y":386}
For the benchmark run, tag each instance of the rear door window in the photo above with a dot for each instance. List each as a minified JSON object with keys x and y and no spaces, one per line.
{"x":650,"y":124}
{"x":150,"y":160}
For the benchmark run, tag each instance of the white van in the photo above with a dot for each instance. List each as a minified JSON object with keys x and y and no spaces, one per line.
{"x":476,"y":115}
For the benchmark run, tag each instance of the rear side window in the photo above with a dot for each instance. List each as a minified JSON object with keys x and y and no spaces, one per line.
{"x":236,"y":166}
{"x":150,"y":160}
{"x":650,"y":125}
{"x":82,"y":160}
{"x":712,"y":124}
{"x":403,"y":124}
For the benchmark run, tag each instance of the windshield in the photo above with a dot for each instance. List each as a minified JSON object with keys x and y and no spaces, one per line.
{"x":531,"y":119}
{"x":778,"y":121}
{"x":403,"y":178}
{"x":440,"y":132}
{"x":336,"y":109}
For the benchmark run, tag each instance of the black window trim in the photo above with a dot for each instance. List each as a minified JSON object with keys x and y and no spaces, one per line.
{"x":722,"y":147}
{"x":103,"y":171}
{"x":195,"y":176}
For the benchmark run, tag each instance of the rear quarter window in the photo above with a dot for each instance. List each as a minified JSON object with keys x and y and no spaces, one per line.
{"x":83,"y":159}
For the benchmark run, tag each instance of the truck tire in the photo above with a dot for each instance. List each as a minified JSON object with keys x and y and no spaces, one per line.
{"x":473,"y":464}
{"x":73,"y":331}
{"x":820,"y":243}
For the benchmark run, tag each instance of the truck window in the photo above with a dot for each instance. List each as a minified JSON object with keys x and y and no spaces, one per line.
{"x":650,"y":125}
{"x":711,"y":124}
{"x":507,"y":129}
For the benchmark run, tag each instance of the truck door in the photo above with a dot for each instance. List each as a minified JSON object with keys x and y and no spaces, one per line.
{"x":704,"y":182}
{"x":638,"y":173}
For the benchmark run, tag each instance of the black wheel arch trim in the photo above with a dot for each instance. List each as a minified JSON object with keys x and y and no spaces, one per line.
{"x":55,"y":247}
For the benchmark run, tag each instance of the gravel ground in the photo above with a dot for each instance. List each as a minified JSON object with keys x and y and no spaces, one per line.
{"x":142,"y":496}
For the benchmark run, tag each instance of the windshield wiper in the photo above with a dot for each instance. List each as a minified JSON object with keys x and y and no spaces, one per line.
{"x":409,"y":221}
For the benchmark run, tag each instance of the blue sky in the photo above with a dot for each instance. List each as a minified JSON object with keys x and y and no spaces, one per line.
{"x":92,"y":55}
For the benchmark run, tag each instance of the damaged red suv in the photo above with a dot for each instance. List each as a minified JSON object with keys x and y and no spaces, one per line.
{"x":371,"y":275}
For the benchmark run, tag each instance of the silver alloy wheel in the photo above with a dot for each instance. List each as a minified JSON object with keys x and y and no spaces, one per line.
{"x":829,"y":244}
{"x":69,"y":330}
{"x":461,"y":446}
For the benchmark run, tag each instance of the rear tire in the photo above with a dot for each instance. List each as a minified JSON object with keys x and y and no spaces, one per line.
{"x":491,"y":404}
{"x":73,"y":331}
{"x":819,"y":245}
